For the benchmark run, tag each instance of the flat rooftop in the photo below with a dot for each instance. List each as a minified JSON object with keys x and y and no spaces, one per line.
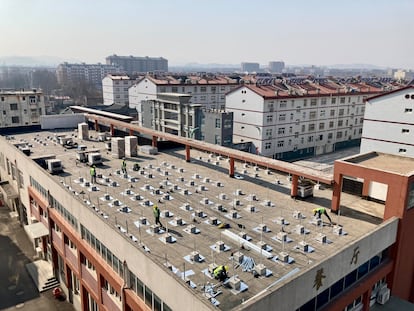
{"x":199,"y":195}
{"x":385,"y":162}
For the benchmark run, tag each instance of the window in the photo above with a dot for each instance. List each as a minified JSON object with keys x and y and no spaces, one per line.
{"x":281,"y":130}
{"x":217,"y":139}
{"x":361,"y":120}
{"x":13,"y":107}
{"x":321,"y":126}
{"x":311,"y":127}
{"x":313,"y":102}
{"x":340,"y":122}
{"x":271,"y":108}
{"x":218,"y":123}
{"x":332,"y":113}
{"x":312,"y":115}
{"x":15,"y":120}
{"x":203,"y":89}
{"x":322,"y":113}
{"x":402,"y":150}
{"x":323,"y":101}
{"x":296,"y":134}
{"x":268,"y":132}
{"x":331,"y":124}
{"x":213,"y":89}
{"x":269,"y":118}
{"x":405,"y":131}
{"x":342,"y":100}
{"x":282,"y":117}
{"x":305,"y":102}
{"x":304,"y":115}
{"x":174,"y":89}
{"x":339,"y":135}
{"x":341,"y":112}
{"x":280,"y":143}
{"x":330,"y":135}
{"x":283,"y":104}
{"x":408,"y":110}
{"x":268,"y":145}
{"x":303,"y":128}
{"x":333,"y":100}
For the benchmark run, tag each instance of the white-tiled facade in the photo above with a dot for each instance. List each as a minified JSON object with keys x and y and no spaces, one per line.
{"x":115,"y":89}
{"x":388,"y":123}
{"x":280,"y":125}
{"x":21,"y":108}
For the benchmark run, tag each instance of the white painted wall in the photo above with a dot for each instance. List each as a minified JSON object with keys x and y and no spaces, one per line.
{"x":386,"y":123}
{"x":61,"y":121}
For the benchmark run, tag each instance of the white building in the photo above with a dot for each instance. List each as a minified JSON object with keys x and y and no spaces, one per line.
{"x":21,"y":108}
{"x":115,"y":89}
{"x":207,"y":90}
{"x":68,"y":74}
{"x":388,"y":123}
{"x":296,"y":118}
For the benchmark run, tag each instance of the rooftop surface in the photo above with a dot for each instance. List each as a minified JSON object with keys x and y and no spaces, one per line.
{"x":385,"y":162}
{"x":256,"y":205}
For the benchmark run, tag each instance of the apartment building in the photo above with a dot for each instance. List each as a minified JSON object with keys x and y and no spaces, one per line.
{"x":133,"y":64}
{"x":174,"y":114}
{"x":276,"y":66}
{"x":92,"y":73}
{"x":101,"y":240}
{"x":205,"y":89}
{"x":21,"y":108}
{"x":115,"y":89}
{"x":388,"y":123}
{"x":250,"y":67}
{"x":299,"y":117}
{"x":171,"y":113}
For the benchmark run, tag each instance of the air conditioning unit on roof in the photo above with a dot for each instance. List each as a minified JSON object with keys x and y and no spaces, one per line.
{"x":383,"y":295}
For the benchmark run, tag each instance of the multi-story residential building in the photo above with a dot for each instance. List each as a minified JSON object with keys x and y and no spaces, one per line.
{"x":207,"y":90}
{"x":388,"y":123}
{"x":115,"y":89}
{"x":171,"y":113}
{"x":108,"y":254}
{"x":21,"y":108}
{"x":133,"y":64}
{"x":216,"y":127}
{"x":276,"y":66}
{"x":250,"y":67}
{"x":174,"y":114}
{"x":298,"y":117}
{"x":92,"y":73}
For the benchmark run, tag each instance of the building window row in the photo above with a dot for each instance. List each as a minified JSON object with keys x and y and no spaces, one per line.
{"x":39,"y":188}
{"x":146,"y":294}
{"x":103,"y":251}
{"x":64,"y":212}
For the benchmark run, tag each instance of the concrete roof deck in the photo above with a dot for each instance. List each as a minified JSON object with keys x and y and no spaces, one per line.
{"x":165,"y":170}
{"x":386,"y":162}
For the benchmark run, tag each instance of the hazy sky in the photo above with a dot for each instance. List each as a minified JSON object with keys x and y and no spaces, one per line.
{"x":320,"y":32}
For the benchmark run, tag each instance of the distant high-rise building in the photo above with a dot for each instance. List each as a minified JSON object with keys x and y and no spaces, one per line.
{"x":250,"y":67}
{"x":133,"y":64}
{"x":92,"y":73}
{"x":276,"y":66}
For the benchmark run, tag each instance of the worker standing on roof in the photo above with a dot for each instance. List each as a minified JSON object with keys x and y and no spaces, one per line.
{"x":320,"y":211}
{"x":220,"y":273}
{"x":124,"y":170}
{"x":92,"y":171}
{"x":157,"y":215}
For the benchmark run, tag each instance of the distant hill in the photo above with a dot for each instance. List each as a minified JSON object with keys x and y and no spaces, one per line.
{"x":34,"y":61}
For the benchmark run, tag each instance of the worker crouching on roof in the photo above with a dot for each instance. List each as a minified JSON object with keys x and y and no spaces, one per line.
{"x":220,"y":273}
{"x":319,"y":211}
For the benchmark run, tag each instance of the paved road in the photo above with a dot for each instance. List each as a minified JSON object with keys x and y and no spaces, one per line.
{"x":17,"y":290}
